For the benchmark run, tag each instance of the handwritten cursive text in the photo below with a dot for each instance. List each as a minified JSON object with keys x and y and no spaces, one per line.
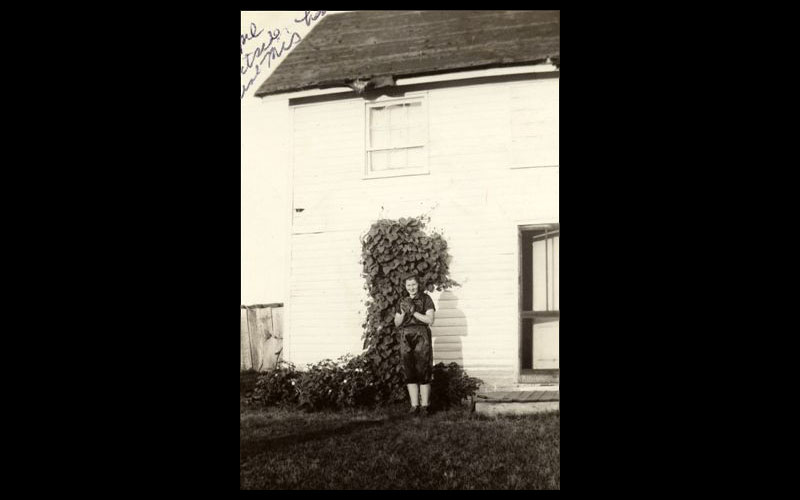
{"x":254,"y":33}
{"x":250,"y":83}
{"x":308,"y":17}
{"x":268,"y":51}
{"x":274,"y":43}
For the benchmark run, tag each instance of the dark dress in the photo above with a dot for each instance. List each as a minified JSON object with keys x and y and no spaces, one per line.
{"x":416,"y":346}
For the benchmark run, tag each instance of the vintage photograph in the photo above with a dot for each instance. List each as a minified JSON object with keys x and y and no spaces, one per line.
{"x":399,"y":319}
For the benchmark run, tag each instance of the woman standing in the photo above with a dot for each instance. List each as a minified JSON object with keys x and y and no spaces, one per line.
{"x":413,"y":316}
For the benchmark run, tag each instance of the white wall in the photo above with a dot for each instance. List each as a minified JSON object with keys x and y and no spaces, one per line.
{"x":472,"y":195}
{"x":265,"y":199}
{"x":265,"y":195}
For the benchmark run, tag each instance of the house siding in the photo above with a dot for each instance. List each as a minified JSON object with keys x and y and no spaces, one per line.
{"x":473,"y":197}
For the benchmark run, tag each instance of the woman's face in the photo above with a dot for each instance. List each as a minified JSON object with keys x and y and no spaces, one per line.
{"x":411,"y":287}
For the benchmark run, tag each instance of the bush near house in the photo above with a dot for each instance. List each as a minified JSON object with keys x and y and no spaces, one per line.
{"x":275,"y":387}
{"x":247,"y":382}
{"x":346,"y":383}
{"x":350,"y":382}
{"x":451,"y":386}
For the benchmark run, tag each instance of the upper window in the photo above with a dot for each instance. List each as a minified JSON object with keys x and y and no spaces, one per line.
{"x":397,"y":137}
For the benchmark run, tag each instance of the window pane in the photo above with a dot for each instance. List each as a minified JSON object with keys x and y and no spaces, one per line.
{"x":378,"y":117}
{"x":399,"y":137}
{"x":545,"y":274}
{"x":545,"y":344}
{"x":397,"y":116}
{"x":379,"y":138}
{"x":397,"y":158}
{"x":416,"y":157}
{"x":393,"y":140}
{"x":416,"y":134}
{"x":380,"y":160}
{"x":415,"y":113}
{"x":539,"y":276}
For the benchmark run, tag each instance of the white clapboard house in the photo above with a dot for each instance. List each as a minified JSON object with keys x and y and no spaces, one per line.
{"x":453,"y":114}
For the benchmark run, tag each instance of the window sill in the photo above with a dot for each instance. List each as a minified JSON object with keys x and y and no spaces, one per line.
{"x":397,"y":173}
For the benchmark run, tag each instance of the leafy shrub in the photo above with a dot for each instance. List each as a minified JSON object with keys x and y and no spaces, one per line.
{"x":315,"y":390}
{"x":278,"y":386}
{"x":451,"y":386}
{"x":351,"y":381}
{"x":361,"y":385}
{"x":247,"y":382}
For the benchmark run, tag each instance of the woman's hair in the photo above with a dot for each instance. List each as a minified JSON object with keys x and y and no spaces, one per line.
{"x":412,"y":277}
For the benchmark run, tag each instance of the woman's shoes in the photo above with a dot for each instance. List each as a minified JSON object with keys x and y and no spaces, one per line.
{"x":419,"y":411}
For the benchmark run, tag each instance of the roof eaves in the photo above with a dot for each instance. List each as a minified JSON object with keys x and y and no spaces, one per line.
{"x":554,"y":59}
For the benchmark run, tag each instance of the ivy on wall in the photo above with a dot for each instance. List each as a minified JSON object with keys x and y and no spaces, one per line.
{"x":391,"y":250}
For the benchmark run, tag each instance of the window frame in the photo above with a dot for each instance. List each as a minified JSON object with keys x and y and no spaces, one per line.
{"x":535,"y":375}
{"x":367,"y":172}
{"x":546,"y":232}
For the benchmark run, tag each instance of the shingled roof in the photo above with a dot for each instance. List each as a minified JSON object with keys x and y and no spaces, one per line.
{"x":366,"y":44}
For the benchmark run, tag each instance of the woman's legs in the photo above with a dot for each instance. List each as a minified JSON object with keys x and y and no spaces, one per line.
{"x":423,"y":354}
{"x":413,"y":393}
{"x":425,"y":394}
{"x":417,"y":355}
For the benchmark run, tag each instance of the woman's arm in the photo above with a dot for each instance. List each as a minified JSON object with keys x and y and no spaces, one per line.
{"x":426,"y":318}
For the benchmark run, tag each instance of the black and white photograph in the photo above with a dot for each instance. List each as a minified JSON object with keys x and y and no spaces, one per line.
{"x":400,"y":236}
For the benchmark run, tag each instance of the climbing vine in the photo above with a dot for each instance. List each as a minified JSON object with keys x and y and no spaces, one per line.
{"x":391,"y":250}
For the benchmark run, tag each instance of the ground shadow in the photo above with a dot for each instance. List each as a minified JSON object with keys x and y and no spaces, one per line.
{"x":257,"y":446}
{"x":260,"y":445}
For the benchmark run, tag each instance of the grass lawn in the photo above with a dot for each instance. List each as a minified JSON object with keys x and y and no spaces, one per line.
{"x":385,"y":449}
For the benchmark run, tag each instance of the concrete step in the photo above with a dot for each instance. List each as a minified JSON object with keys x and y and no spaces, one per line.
{"x":517,"y":402}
